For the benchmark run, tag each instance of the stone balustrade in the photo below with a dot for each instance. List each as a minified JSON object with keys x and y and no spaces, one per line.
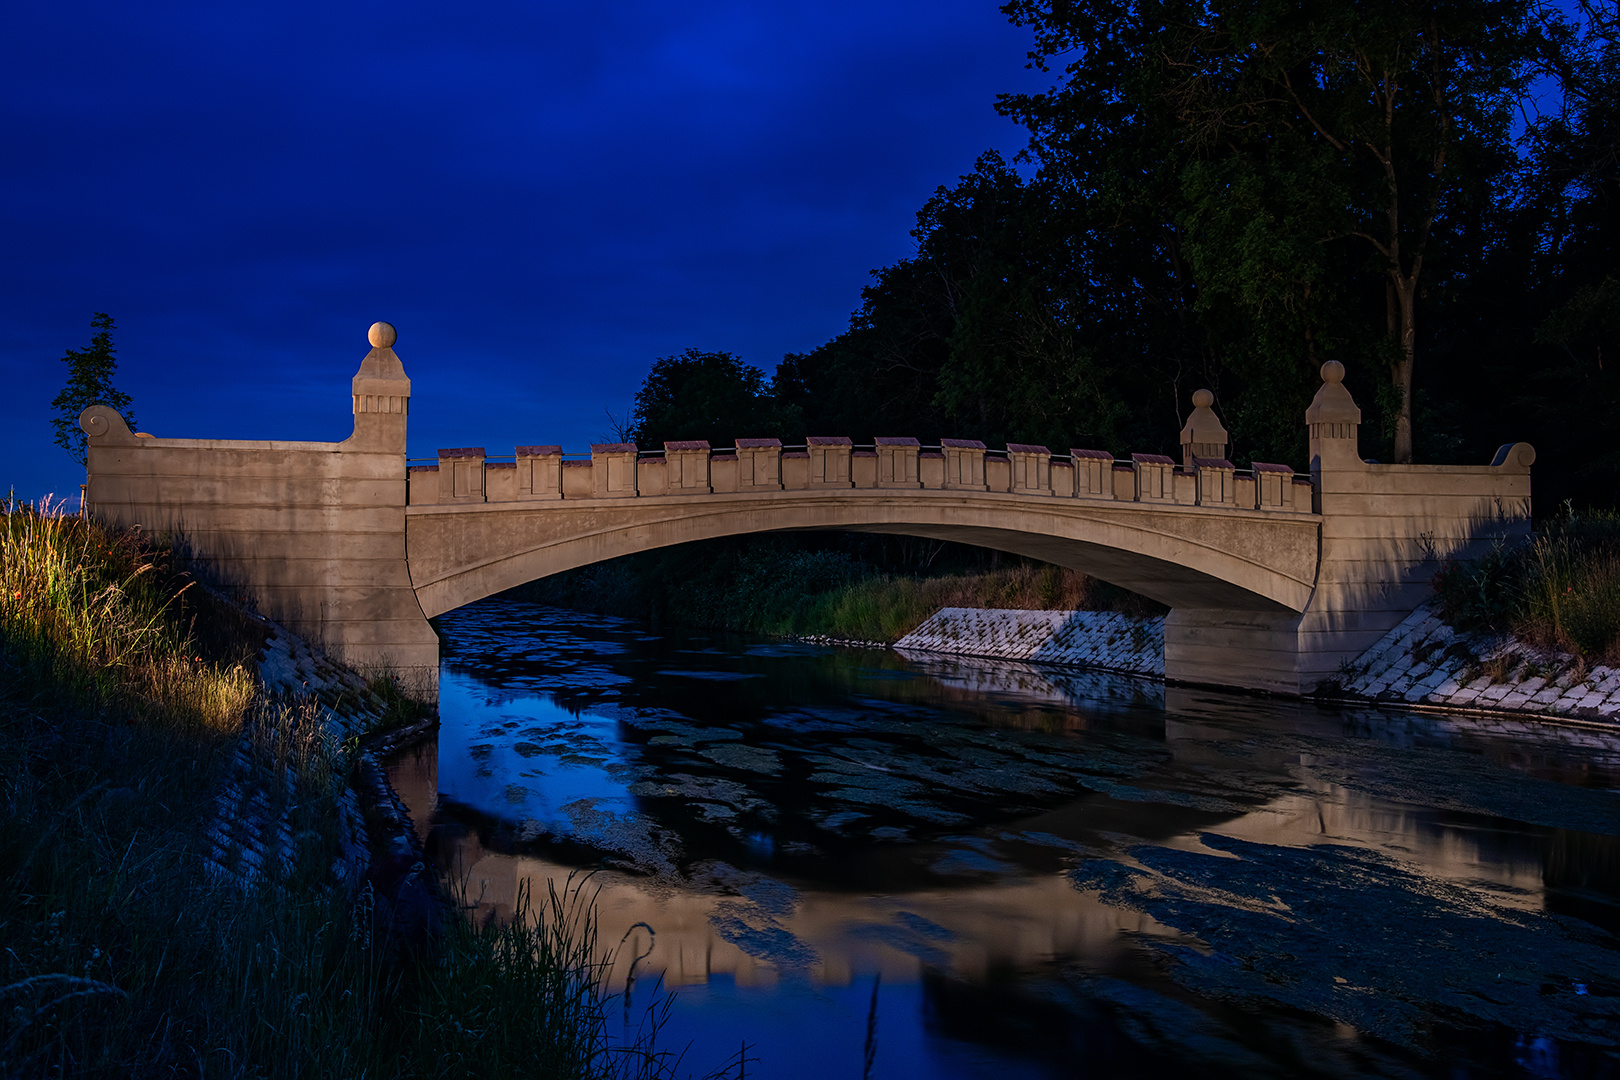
{"x":623,"y":471}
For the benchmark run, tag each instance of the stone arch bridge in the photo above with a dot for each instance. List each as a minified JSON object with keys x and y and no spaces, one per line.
{"x":1273,"y":577}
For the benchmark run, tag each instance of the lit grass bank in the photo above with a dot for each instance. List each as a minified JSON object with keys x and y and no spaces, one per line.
{"x":125,"y":695}
{"x":1561,"y":589}
{"x":782,"y":587}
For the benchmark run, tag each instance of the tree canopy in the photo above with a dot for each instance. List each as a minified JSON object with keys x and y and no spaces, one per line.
{"x":706,"y":395}
{"x":1226,"y":193}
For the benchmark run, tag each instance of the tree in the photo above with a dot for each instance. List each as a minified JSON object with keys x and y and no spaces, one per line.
{"x":1020,"y":366}
{"x":880,"y":376}
{"x":982,"y":332}
{"x":706,"y":395}
{"x":1363,"y":130}
{"x":1541,"y":333}
{"x":89,"y":382}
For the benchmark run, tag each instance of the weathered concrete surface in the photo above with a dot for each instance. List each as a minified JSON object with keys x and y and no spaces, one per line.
{"x":310,"y":533}
{"x":1274,"y":580}
{"x":1422,"y":661}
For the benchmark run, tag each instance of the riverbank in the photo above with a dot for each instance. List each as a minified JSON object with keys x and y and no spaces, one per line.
{"x":1424,"y":661}
{"x":199,"y":872}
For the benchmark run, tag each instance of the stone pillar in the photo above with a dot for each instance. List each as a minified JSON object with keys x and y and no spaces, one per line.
{"x":964,"y":464}
{"x":539,"y":472}
{"x":1216,"y":486}
{"x":461,"y":474}
{"x":613,"y":470}
{"x":1274,"y":487}
{"x":1372,"y":573}
{"x":687,"y":467}
{"x":829,"y":461}
{"x":1093,"y":474}
{"x":1202,"y":436}
{"x":369,"y":616}
{"x":382,"y":395}
{"x":897,"y":463}
{"x":1031,"y":468}
{"x":1334,"y":421}
{"x":759,"y":464}
{"x":1155,"y":481}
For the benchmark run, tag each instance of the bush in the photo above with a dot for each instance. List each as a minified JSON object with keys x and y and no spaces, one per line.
{"x":1561,"y":589}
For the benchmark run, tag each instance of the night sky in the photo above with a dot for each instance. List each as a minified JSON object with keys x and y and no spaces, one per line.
{"x":543,"y":198}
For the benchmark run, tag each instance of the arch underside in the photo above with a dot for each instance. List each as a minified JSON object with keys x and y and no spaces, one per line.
{"x":1180,"y":556}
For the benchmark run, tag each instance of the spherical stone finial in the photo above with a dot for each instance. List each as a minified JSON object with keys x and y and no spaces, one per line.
{"x":1333,"y":371}
{"x":382,"y":335}
{"x":1203,"y":399}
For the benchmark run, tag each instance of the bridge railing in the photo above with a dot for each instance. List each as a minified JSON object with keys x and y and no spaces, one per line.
{"x":693,"y":467}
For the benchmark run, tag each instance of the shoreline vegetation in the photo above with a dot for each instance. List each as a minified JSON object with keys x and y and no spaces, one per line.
{"x":1560,"y":590}
{"x":836,"y":586}
{"x":127,"y":693}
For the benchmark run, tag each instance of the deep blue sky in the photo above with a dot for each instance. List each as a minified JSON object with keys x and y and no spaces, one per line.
{"x":543,"y":198}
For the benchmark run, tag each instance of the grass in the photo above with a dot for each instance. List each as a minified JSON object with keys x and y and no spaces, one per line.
{"x":777,"y":586}
{"x":887,"y":607}
{"x":103,"y":619}
{"x":126,"y":703}
{"x":1560,"y":589}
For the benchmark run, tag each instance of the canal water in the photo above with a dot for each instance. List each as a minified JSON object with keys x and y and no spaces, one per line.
{"x":982,"y":869}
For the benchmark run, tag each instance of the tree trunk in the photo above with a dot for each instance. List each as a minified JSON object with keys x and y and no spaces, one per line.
{"x":1401,"y":373}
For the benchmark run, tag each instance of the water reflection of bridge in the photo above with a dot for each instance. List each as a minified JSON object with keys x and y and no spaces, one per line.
{"x":1009,"y":904}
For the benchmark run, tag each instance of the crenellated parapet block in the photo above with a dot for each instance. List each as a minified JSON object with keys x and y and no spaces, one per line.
{"x":888,"y":464}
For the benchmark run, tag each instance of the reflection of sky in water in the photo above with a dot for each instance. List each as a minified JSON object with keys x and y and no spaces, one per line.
{"x":527,"y":758}
{"x":1003,"y":842}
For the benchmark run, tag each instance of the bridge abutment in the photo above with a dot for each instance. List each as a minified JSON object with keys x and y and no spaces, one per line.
{"x":1385,"y":532}
{"x":311,"y":534}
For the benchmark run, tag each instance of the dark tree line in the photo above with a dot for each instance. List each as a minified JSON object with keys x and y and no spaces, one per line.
{"x":1226,"y":194}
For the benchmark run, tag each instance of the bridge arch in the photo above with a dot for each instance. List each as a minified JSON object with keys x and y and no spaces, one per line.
{"x":1181,"y":556}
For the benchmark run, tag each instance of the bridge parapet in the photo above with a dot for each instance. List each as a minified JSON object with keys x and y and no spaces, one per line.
{"x":756,"y":466}
{"x":1383,"y":530}
{"x":539,"y":472}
